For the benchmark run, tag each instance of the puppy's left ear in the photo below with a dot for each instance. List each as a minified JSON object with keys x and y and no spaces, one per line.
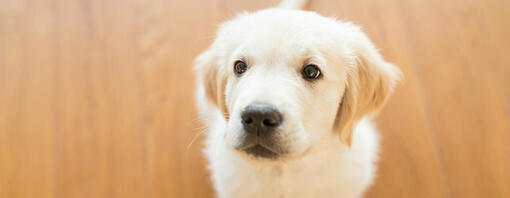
{"x":369,"y":83}
{"x":212,"y":79}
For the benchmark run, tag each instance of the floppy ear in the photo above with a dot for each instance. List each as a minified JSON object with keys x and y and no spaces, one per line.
{"x":369,"y":83}
{"x":213,"y":80}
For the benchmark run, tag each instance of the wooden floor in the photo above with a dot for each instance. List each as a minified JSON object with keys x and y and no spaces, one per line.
{"x":96,"y":96}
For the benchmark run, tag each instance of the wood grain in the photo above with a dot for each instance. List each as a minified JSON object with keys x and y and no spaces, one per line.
{"x":96,"y":97}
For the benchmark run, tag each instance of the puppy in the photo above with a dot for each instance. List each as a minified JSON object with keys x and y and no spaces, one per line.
{"x":286,"y":95}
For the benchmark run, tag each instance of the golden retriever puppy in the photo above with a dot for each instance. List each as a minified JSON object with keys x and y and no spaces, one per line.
{"x":287,"y":95}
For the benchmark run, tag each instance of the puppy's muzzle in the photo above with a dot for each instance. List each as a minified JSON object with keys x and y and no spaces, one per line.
{"x":260,"y":122}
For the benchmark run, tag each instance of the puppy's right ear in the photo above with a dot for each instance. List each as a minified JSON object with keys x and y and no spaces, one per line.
{"x":213,"y":80}
{"x":369,"y":83}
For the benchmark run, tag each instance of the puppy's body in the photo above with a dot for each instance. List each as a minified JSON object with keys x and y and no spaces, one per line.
{"x":287,"y":96}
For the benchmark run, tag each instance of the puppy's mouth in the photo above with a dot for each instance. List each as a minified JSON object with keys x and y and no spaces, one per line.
{"x":260,"y":151}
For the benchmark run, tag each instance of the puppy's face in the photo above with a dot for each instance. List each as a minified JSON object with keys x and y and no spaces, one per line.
{"x":282,"y":96}
{"x":287,"y":80}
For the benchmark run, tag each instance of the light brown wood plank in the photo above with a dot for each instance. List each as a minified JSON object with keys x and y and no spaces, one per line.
{"x":169,"y":38}
{"x":27,"y":88}
{"x":99,"y":138}
{"x":465,"y":78}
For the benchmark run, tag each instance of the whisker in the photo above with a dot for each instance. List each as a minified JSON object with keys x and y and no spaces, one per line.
{"x":195,"y":138}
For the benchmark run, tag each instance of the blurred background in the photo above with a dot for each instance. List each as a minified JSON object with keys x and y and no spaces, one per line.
{"x":96,"y":96}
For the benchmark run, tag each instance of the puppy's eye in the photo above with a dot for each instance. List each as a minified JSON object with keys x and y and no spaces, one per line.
{"x":311,"y":72}
{"x":240,"y":67}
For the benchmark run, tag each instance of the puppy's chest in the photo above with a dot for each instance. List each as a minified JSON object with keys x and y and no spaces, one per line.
{"x":324,"y":182}
{"x":319,"y":180}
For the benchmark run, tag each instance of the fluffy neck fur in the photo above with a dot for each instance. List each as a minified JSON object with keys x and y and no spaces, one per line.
{"x":330,"y":169}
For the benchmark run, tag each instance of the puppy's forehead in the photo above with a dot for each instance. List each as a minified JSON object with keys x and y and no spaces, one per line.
{"x":273,"y":50}
{"x":277,"y":34}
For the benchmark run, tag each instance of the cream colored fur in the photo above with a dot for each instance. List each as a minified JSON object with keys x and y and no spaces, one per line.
{"x":331,"y":143}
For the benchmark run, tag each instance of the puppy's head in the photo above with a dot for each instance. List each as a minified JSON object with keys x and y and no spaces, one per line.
{"x":286,"y":80}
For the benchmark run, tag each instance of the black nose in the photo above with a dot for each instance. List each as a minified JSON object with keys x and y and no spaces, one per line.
{"x":260,"y":119}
